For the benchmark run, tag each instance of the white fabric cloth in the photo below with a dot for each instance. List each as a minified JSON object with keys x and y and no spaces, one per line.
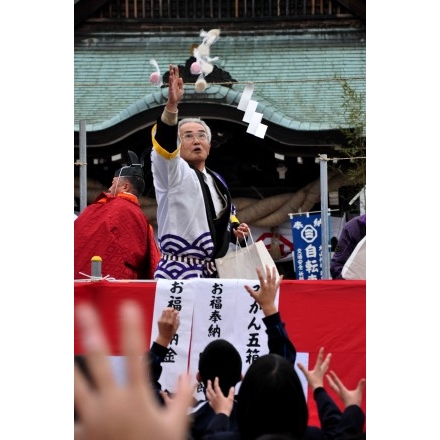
{"x":181,"y":207}
{"x":355,"y":267}
{"x":183,"y":229}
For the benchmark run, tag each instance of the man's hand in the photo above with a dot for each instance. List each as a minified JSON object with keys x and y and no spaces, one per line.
{"x":175,"y":89}
{"x":168,"y":324}
{"x":265,"y":297}
{"x":315,"y":377}
{"x":348,"y":397}
{"x":218,"y":402}
{"x":242,"y":231}
{"x":112,"y":411}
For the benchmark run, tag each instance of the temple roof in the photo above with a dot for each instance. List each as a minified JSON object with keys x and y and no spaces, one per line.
{"x":296,"y":75}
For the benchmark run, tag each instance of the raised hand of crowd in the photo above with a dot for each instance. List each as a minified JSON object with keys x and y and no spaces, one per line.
{"x":129,"y":411}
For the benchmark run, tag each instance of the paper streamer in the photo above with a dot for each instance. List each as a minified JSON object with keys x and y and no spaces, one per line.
{"x":261,"y":131}
{"x":246,"y":96}
{"x":254,"y":122}
{"x":250,"y":110}
{"x":251,"y":116}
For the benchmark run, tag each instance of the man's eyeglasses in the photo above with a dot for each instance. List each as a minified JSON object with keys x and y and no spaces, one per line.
{"x":191,"y":136}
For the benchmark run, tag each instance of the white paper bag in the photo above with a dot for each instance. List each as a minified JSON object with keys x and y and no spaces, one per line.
{"x":355,"y":267}
{"x":242,"y":262}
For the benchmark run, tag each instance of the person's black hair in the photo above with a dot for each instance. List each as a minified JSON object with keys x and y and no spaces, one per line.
{"x":271,"y":400}
{"x":355,"y":436}
{"x":220,"y":359}
{"x":138,"y":184}
{"x":133,"y":172}
{"x":276,"y":437}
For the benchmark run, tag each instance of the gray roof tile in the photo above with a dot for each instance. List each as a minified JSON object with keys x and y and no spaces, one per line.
{"x":294,"y":76}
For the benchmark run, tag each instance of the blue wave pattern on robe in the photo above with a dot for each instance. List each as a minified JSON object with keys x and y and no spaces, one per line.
{"x":202,"y":248}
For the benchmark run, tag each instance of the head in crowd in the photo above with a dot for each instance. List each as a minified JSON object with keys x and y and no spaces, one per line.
{"x":195,"y":141}
{"x":271,"y":400}
{"x":129,"y":178}
{"x":204,"y":126}
{"x":275,"y":437}
{"x":220,"y":359}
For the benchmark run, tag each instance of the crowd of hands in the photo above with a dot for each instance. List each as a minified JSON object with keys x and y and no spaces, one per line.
{"x":110,"y":410}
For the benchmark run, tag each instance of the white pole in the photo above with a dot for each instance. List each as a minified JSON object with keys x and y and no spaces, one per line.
{"x":363,"y":201}
{"x":324,"y":218}
{"x":82,"y":166}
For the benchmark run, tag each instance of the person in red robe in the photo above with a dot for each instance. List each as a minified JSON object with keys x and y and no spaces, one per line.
{"x":115,"y":228}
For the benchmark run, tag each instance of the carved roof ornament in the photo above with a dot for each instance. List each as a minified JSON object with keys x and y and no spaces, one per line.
{"x":199,"y":68}
{"x":218,"y":75}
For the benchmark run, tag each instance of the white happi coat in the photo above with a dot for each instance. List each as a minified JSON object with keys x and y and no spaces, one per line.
{"x":184,"y":235}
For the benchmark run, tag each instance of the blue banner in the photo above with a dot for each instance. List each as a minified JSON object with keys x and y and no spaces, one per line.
{"x":307,"y":246}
